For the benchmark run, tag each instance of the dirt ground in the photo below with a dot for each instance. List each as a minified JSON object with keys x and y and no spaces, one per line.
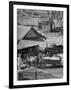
{"x":34,"y":73}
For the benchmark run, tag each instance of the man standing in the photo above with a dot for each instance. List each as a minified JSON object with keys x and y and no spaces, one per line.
{"x":19,"y":62}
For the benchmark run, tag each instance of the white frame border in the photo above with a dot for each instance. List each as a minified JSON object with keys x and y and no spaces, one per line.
{"x":28,"y":82}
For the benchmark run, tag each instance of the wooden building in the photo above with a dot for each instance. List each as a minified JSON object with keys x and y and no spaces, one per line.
{"x":29,"y":42}
{"x":28,"y":47}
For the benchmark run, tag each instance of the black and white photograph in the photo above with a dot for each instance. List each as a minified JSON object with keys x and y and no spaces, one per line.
{"x":40,"y":44}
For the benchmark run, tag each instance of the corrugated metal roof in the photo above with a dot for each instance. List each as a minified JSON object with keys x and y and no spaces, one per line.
{"x":26,"y":43}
